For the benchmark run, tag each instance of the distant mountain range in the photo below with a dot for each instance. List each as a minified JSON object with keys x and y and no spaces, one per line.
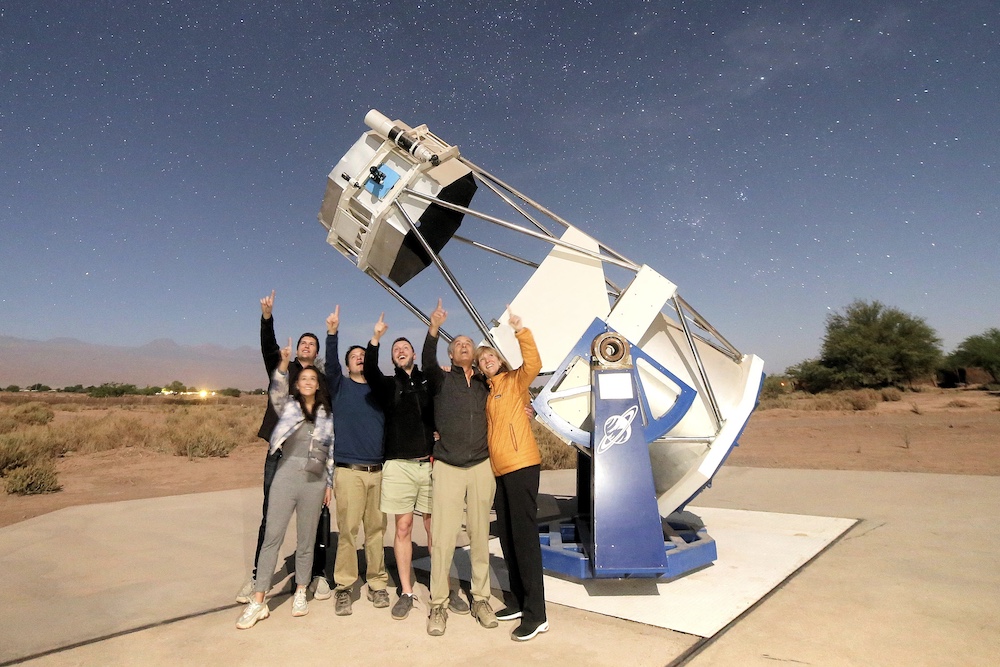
{"x":63,"y":362}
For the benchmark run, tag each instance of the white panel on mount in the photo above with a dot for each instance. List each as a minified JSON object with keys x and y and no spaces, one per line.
{"x":558,"y":303}
{"x":640,"y":303}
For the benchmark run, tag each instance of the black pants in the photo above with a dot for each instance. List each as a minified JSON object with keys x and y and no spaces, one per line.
{"x":319,"y":553}
{"x":516,"y":503}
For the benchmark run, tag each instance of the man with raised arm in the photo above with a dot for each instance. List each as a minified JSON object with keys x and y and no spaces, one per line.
{"x":462,"y":476}
{"x":358,"y":451}
{"x":305,"y":356}
{"x":409,"y":442}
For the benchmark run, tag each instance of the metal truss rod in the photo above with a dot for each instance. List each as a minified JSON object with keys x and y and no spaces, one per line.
{"x":449,"y":277}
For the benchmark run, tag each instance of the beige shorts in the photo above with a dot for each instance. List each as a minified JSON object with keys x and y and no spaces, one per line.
{"x":406,"y":486}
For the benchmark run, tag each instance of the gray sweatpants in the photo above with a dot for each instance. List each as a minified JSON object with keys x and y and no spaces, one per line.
{"x":293,"y":489}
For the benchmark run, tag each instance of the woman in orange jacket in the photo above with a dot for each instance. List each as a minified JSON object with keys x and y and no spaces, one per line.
{"x":516,"y":464}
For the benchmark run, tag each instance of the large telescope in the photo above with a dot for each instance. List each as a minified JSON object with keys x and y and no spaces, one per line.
{"x":652,"y":397}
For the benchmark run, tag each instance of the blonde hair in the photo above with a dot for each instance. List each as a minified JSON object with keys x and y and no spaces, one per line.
{"x":483,"y":349}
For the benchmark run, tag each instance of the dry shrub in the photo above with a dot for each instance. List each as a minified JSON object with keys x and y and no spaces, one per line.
{"x":13,"y":454}
{"x":891,"y":394}
{"x":25,"y":414}
{"x":825,"y":403}
{"x":775,"y":403}
{"x":916,"y":409}
{"x":7,"y":423}
{"x":202,"y":431}
{"x":33,"y":479}
{"x":556,"y":454}
{"x":861,"y":399}
{"x":960,"y":403}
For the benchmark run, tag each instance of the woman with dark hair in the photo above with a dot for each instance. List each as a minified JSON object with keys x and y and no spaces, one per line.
{"x":516,"y":464}
{"x":302,"y":483}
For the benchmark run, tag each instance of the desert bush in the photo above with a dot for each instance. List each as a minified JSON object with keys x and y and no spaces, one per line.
{"x":7,"y":423}
{"x":775,"y":386}
{"x":775,"y":403}
{"x":861,"y":399}
{"x":13,"y":454}
{"x":33,"y":413}
{"x":556,"y":454}
{"x":202,"y":431}
{"x":960,"y":403}
{"x":891,"y":394}
{"x":33,"y":479}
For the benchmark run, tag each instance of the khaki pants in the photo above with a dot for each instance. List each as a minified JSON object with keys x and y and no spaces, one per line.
{"x":455,"y":491}
{"x":358,"y":494}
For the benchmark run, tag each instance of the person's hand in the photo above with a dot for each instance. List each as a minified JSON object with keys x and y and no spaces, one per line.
{"x":514,"y":320}
{"x":529,"y":410}
{"x":333,"y":320}
{"x":327,"y":496}
{"x":286,"y":355}
{"x":380,"y":328}
{"x":438,"y":317}
{"x":267,"y":305}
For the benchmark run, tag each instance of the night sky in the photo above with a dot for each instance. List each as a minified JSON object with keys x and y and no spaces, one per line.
{"x":162,"y":163}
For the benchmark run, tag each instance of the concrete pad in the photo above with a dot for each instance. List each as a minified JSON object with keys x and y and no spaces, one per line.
{"x":757,"y":551}
{"x":142,"y":582}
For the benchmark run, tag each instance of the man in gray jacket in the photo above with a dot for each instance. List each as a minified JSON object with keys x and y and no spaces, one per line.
{"x":462,"y":477}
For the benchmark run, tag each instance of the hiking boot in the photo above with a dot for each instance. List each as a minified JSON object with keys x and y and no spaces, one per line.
{"x":299,"y":605}
{"x":484,"y":614}
{"x":379,"y":598}
{"x":508,"y":614}
{"x":436,"y":621}
{"x":343,"y":606}
{"x":526,"y":631}
{"x":246,"y":592}
{"x":255,"y":611}
{"x":456,"y":603}
{"x":403,"y":605}
{"x":321,"y":588}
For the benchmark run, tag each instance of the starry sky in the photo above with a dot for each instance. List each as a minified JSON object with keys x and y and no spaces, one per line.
{"x":162,"y":163}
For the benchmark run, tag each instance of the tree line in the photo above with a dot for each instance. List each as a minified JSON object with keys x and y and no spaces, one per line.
{"x":871,"y":345}
{"x":113,"y":389}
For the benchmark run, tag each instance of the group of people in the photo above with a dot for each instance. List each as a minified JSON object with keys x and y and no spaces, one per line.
{"x":443,"y":443}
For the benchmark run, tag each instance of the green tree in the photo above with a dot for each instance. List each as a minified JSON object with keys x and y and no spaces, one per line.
{"x":12,"y":388}
{"x":230,"y":391}
{"x":981,"y":351}
{"x":176,"y":387}
{"x":871,"y":345}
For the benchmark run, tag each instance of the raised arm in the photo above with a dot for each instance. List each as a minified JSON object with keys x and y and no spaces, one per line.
{"x":334,"y":372}
{"x":531,"y":364}
{"x":269,"y":349}
{"x":428,"y":356}
{"x":278,"y":389}
{"x":382,"y":386}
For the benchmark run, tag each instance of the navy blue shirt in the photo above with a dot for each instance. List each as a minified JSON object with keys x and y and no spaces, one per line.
{"x":358,"y":422}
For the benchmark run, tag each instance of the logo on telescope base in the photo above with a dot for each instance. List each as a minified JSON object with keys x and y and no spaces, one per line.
{"x":617,"y":429}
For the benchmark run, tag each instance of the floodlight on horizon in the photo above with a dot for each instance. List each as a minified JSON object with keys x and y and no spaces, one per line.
{"x":629,"y":355}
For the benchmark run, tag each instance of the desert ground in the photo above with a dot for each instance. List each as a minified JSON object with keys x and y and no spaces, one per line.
{"x":953,"y":431}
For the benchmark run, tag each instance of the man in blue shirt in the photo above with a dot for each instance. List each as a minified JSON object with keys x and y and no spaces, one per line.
{"x":358,"y":450}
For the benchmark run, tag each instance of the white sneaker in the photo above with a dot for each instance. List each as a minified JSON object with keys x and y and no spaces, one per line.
{"x":321,"y":588}
{"x":299,"y":605}
{"x":246,"y":592}
{"x":255,"y":611}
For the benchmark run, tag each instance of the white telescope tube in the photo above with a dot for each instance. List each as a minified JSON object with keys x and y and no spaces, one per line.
{"x":380,"y":123}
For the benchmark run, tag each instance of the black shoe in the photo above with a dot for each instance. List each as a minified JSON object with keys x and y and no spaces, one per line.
{"x":508,"y":614}
{"x":526,"y":631}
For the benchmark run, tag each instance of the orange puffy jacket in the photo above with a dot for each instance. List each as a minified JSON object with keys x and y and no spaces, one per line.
{"x":512,"y":444}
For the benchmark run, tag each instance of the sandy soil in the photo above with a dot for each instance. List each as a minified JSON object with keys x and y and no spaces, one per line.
{"x":936,"y":431}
